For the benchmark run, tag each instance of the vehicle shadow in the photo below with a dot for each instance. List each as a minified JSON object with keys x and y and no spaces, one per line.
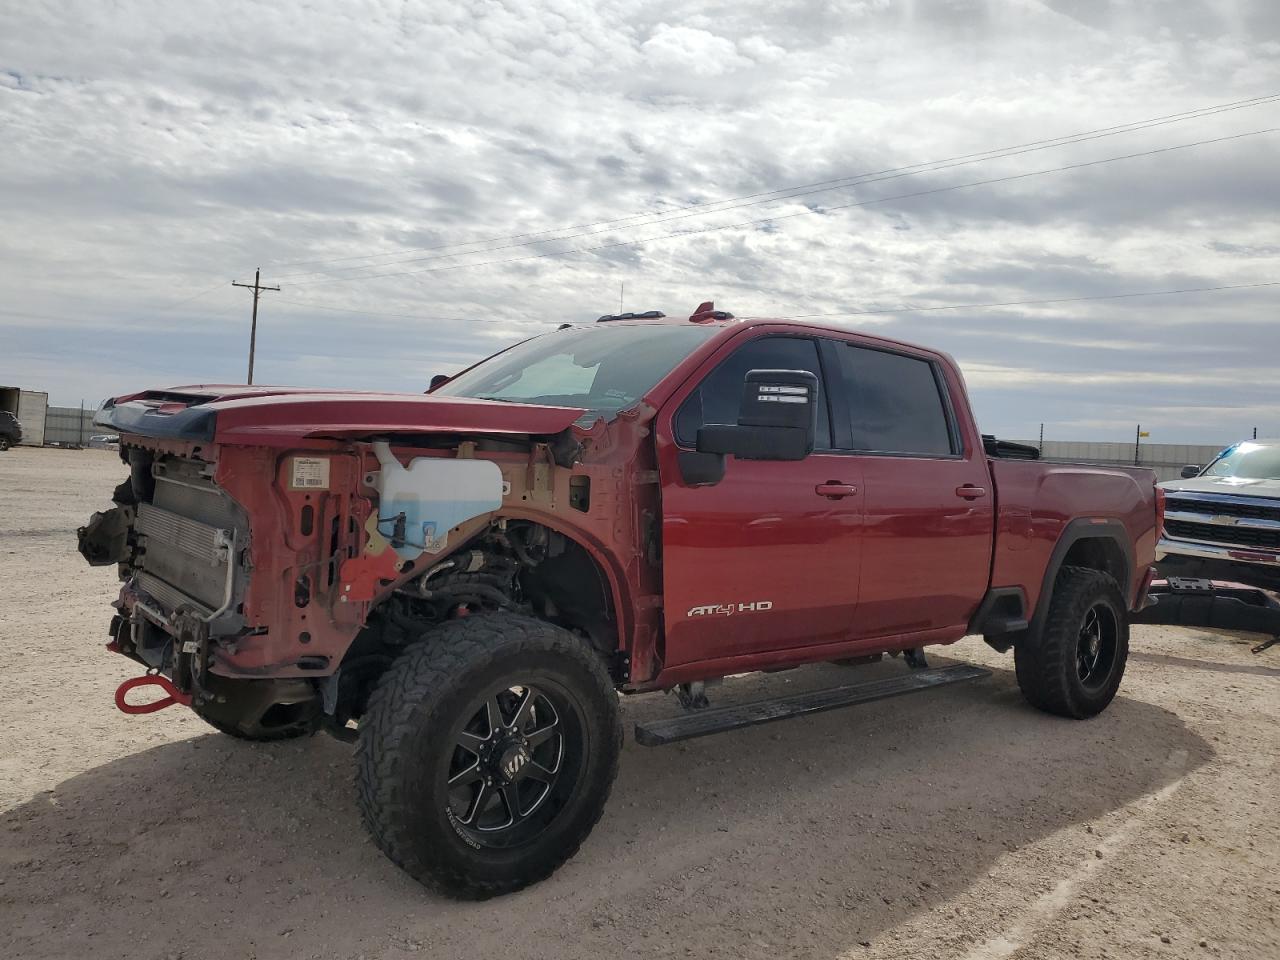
{"x":805,"y":838}
{"x":1254,"y":669}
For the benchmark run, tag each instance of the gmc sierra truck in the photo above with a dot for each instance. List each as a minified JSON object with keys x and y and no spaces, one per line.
{"x":464,"y":581}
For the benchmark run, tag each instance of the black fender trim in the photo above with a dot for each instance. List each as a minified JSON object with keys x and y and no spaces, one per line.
{"x":1082,"y":528}
{"x":1003,"y":610}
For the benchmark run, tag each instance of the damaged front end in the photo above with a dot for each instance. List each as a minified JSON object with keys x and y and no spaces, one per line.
{"x":274,"y":564}
{"x":181,"y":545}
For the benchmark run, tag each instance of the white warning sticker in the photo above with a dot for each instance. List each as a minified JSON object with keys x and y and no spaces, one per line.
{"x":310,"y":473}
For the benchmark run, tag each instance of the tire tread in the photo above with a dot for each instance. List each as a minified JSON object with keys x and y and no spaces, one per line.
{"x":407,"y":699}
{"x":1044,"y":665}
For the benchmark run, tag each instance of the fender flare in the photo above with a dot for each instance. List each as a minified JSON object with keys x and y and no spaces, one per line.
{"x":1082,"y":528}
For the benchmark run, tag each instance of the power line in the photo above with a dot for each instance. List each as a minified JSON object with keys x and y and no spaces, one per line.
{"x":802,"y":213}
{"x":786,"y":193}
{"x":857,"y":313}
{"x":59,"y":318}
{"x":401,"y":316}
{"x":194,"y":296}
{"x":1028,"y":303}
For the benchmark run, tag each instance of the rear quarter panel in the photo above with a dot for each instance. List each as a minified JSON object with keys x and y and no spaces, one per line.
{"x":1036,"y":501}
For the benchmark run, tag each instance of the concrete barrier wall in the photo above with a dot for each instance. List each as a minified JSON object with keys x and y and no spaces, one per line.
{"x":1166,"y":459}
{"x":65,"y":425}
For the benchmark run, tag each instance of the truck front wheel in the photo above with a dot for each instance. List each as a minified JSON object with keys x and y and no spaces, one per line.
{"x":487,"y":753}
{"x":1074,"y":666}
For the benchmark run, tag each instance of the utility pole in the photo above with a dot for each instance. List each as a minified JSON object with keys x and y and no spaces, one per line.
{"x":1041,"y":447}
{"x":622,"y":289}
{"x":257,"y":289}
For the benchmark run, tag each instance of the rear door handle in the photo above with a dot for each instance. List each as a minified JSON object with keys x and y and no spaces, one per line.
{"x":834,"y":489}
{"x":969,"y":492}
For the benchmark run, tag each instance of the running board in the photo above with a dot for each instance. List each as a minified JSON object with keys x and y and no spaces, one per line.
{"x":657,"y":733}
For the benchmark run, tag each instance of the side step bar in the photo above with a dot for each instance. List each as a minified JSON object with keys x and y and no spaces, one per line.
{"x":657,"y":733}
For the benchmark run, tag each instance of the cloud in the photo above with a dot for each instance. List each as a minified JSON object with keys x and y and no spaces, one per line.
{"x":686,"y":49}
{"x":150,"y":159}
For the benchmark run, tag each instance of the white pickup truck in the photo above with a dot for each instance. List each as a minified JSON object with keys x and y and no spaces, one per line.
{"x":1222,"y":520}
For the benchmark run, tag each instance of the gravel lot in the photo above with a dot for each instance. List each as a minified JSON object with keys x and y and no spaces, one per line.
{"x":955,"y":824}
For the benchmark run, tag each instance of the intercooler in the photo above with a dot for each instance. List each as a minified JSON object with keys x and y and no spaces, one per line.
{"x":188,"y":537}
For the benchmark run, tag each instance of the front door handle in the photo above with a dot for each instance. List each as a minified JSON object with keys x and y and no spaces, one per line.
{"x":969,"y":492}
{"x":834,"y":489}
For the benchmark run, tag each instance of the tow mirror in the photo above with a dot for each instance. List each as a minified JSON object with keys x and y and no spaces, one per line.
{"x":776,"y":418}
{"x":1190,"y":470}
{"x":438,"y":379}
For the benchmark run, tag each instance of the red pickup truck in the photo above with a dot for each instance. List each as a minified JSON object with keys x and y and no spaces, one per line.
{"x":464,"y":581}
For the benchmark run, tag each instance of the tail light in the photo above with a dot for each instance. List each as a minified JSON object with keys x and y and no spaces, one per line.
{"x":1159,"y":511}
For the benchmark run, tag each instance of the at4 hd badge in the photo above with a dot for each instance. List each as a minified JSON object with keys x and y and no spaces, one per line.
{"x":729,"y":609}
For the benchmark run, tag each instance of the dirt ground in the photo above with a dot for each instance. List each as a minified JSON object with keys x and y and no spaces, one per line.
{"x":954,"y":824}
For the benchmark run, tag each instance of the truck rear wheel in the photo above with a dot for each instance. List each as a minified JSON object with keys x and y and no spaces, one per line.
{"x":487,"y":753}
{"x":1074,"y":666}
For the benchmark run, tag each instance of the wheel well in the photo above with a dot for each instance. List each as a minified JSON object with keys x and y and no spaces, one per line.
{"x":1090,"y":544}
{"x":1099,"y":553}
{"x":566,"y":586}
{"x":520,"y":566}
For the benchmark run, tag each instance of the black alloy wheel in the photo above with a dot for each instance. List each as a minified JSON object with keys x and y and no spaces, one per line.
{"x":1072,"y":662}
{"x":487,"y":753}
{"x":508,"y":761}
{"x":1096,"y":646}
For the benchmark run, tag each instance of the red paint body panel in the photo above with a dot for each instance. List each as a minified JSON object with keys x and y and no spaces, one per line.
{"x":282,"y":419}
{"x":926,"y":555}
{"x":762,"y":535}
{"x":1038,"y":500}
{"x":904,"y":561}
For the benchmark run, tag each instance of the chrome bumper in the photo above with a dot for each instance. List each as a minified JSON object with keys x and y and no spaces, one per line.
{"x":1207,"y":551}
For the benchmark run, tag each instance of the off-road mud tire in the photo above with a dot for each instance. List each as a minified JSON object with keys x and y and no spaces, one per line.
{"x":1046,"y":662}
{"x":404,"y":745}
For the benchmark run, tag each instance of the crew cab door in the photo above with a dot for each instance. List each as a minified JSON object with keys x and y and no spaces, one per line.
{"x":929,"y":500}
{"x":766,"y":557}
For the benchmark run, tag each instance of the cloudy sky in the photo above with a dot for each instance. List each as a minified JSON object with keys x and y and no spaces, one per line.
{"x":410,"y":173}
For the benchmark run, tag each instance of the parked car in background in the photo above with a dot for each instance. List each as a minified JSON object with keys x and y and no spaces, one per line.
{"x":10,"y":430}
{"x":104,"y":441}
{"x":1223,"y":519}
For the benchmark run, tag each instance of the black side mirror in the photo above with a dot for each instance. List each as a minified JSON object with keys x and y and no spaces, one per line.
{"x":776,"y":419}
{"x":438,"y":379}
{"x":1191,"y":470}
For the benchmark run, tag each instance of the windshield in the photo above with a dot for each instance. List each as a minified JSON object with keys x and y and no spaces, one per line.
{"x":603,"y":368}
{"x":1253,"y":461}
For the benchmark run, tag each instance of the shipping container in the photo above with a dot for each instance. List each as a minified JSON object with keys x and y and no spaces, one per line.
{"x":29,"y":406}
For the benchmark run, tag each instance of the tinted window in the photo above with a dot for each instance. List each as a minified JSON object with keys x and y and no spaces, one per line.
{"x":719,"y":395}
{"x":895,"y":405}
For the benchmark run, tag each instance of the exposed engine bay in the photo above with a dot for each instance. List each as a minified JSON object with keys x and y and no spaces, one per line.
{"x":182,"y":547}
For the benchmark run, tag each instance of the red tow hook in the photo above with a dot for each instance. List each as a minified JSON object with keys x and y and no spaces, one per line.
{"x":164,"y":683}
